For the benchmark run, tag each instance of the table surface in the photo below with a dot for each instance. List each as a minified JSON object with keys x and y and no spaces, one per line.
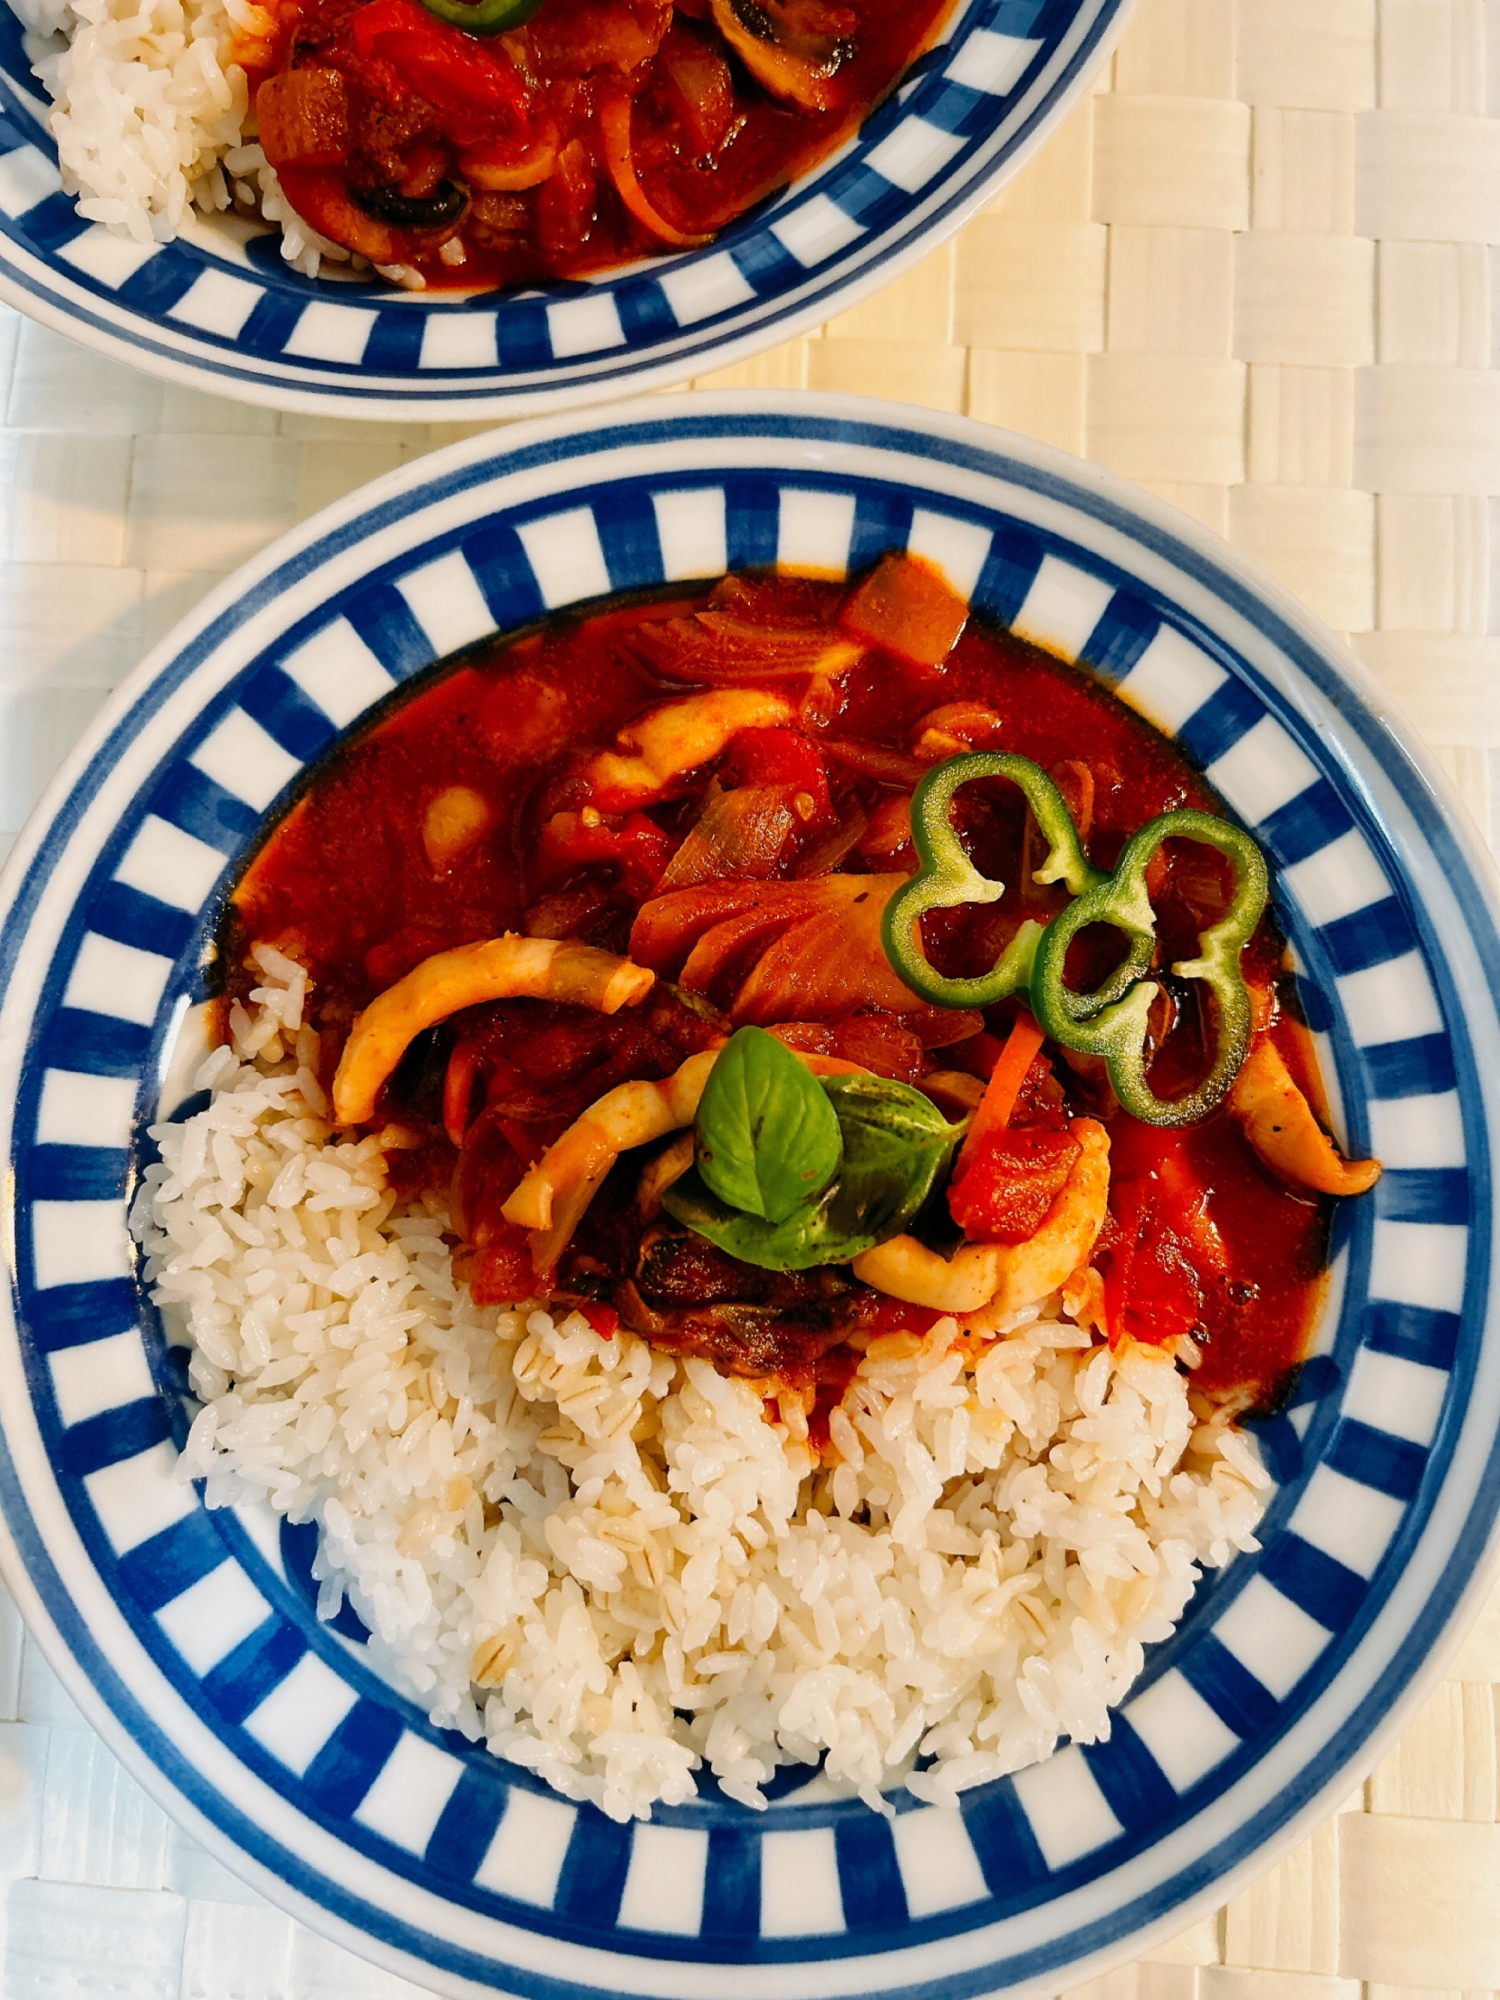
{"x":1252,"y":271}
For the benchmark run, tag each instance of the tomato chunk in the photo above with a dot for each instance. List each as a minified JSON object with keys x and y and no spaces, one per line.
{"x":501,"y":1273}
{"x":1163,"y":1253}
{"x":304,"y":118}
{"x":635,"y":844}
{"x":1010,"y":1182}
{"x":908,"y":606}
{"x":782,"y":758}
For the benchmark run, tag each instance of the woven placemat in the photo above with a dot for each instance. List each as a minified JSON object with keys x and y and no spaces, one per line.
{"x":1253,"y":271}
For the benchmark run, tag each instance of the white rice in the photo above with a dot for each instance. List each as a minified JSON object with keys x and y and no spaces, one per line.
{"x":151,"y":114}
{"x":614,"y":1567}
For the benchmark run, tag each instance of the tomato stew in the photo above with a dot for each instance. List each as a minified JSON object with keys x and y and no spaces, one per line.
{"x":591,"y":134}
{"x":483,"y":802}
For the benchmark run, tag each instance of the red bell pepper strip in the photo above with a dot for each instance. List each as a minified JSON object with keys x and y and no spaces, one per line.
{"x":456,"y":74}
{"x":782,"y":758}
{"x":636,"y":844}
{"x":603,"y":1319}
{"x":992,"y":1113}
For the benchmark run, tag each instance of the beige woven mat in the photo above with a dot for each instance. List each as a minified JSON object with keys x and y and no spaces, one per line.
{"x":1252,"y":271}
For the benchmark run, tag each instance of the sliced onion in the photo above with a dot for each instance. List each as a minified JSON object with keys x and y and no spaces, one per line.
{"x":495,"y":179}
{"x":709,"y":646}
{"x":482,"y":170}
{"x":740,"y":835}
{"x":614,"y":122}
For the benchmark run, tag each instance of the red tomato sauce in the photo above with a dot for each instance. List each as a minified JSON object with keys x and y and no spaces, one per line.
{"x":596,"y":133}
{"x":462,"y":814}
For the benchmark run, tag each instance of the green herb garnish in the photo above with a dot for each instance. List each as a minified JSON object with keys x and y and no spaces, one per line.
{"x":894,"y":1143}
{"x":768,"y":1140}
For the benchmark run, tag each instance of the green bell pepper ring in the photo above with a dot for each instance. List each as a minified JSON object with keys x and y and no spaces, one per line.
{"x":946,"y":877}
{"x":483,"y":17}
{"x":1107,"y":1024}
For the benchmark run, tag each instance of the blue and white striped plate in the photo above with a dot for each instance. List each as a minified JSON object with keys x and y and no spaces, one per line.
{"x":190,"y":1637}
{"x":221,"y":311}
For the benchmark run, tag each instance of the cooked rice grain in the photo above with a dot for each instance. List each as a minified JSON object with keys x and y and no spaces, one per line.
{"x":150,"y":114}
{"x":614,"y":1567}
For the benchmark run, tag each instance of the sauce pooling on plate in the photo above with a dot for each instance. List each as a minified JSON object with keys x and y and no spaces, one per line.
{"x":611,"y":931}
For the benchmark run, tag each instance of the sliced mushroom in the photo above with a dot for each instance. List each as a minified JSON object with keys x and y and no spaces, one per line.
{"x":445,"y":208}
{"x":1279,"y":1123}
{"x":792,"y":51}
{"x":669,"y":1165}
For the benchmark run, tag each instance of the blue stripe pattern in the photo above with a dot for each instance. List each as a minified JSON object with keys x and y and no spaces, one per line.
{"x":1350,"y":919}
{"x":1010,"y":67}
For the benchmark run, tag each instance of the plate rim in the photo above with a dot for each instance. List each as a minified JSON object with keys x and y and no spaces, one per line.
{"x":1142,"y":509}
{"x":488,"y":399}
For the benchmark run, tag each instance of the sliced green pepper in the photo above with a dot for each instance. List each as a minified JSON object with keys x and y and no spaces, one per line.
{"x":483,"y":17}
{"x":946,"y":877}
{"x":1108,"y":1024}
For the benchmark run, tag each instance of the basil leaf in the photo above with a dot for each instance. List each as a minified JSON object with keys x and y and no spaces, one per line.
{"x":768,"y":1140}
{"x":897,"y":1144}
{"x":774,"y":1246}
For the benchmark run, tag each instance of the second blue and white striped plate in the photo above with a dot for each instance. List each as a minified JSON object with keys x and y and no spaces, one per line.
{"x":218,"y":309}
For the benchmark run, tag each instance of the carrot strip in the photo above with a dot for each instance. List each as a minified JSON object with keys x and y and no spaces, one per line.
{"x":614,"y":122}
{"x":1004,"y":1086}
{"x":458,"y":1091}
